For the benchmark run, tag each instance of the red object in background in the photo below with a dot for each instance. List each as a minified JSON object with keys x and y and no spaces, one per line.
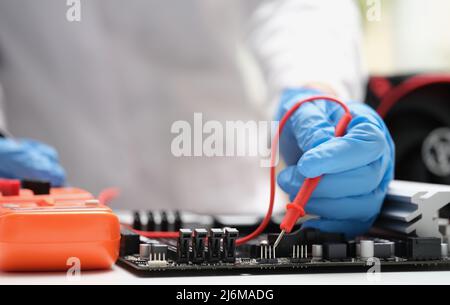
{"x":154,"y":234}
{"x":51,"y":232}
{"x":416,"y":108}
{"x":389,"y":95}
{"x":9,"y":187}
{"x":108,"y":195}
{"x":380,"y":86}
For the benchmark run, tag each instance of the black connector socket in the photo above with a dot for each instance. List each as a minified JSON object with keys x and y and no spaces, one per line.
{"x":198,"y":245}
{"x":229,"y":245}
{"x":214,"y":241}
{"x":183,"y":246}
{"x":129,"y":242}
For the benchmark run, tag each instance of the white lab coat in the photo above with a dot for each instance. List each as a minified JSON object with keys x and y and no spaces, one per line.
{"x":105,"y":91}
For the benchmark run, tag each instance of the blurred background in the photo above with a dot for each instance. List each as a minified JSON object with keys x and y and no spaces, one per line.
{"x":411,"y":36}
{"x":82,"y":86}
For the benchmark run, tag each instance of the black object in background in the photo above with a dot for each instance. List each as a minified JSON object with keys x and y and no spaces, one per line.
{"x":164,"y":225}
{"x":137,"y":223}
{"x":420,"y":126}
{"x":150,"y":221}
{"x":411,"y":121}
{"x":38,"y":187}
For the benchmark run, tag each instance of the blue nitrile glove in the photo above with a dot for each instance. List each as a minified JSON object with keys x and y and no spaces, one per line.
{"x":29,"y":159}
{"x":357,"y":168}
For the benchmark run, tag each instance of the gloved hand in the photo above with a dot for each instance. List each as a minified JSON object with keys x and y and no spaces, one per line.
{"x":29,"y":159}
{"x":357,"y":168}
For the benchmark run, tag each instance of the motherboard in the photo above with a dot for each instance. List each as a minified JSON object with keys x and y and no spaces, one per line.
{"x":212,"y":250}
{"x":411,"y":233}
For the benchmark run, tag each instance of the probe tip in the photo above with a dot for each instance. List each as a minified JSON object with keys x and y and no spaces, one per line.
{"x":280,"y":237}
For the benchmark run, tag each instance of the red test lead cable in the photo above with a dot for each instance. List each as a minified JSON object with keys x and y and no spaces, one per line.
{"x":153,"y":234}
{"x":295,"y":210}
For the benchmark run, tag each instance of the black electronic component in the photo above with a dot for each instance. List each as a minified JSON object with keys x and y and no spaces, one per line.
{"x":335,"y":251}
{"x":183,"y":245}
{"x":150,"y":222}
{"x":164,"y":224}
{"x":158,"y":252}
{"x":307,"y":236}
{"x":177,"y":223}
{"x":351,"y":248}
{"x":423,"y":248}
{"x":383,"y":250}
{"x":38,"y":187}
{"x":229,"y":245}
{"x":129,"y":242}
{"x":198,"y":245}
{"x":137,"y":223}
{"x":214,"y":240}
{"x":400,"y":248}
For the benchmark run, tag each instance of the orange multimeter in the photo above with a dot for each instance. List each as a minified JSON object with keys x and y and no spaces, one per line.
{"x":51,"y":231}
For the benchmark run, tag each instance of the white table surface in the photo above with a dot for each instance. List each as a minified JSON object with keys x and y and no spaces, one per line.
{"x":120,"y":276}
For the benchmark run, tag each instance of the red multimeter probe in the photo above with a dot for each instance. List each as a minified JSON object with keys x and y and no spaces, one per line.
{"x":296,"y":209}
